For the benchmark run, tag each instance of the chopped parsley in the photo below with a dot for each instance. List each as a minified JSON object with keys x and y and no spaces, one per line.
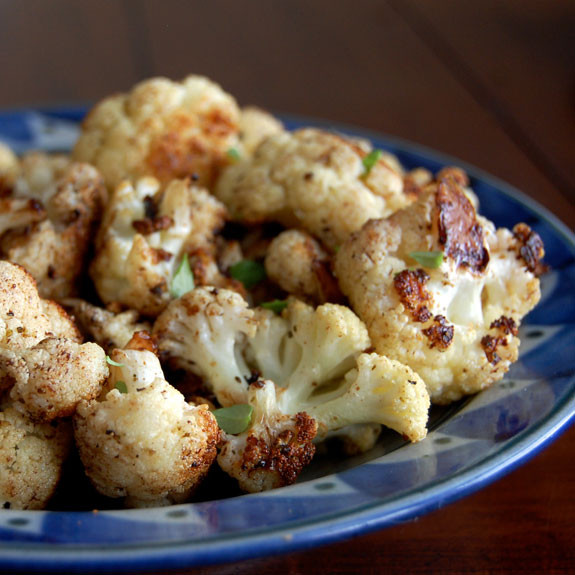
{"x":369,"y":161}
{"x":112,"y":362}
{"x":277,"y":305}
{"x":234,"y":419}
{"x":234,"y":154}
{"x":183,"y":281}
{"x":249,"y":272}
{"x":122,"y":387}
{"x":430,"y":260}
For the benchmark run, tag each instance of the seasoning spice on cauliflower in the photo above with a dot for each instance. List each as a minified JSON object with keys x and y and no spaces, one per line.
{"x":454,"y":323}
{"x":300,"y":266}
{"x":204,"y":332}
{"x":162,"y":129}
{"x":31,"y":458}
{"x":315,"y":180}
{"x":145,"y":232}
{"x":51,"y":378}
{"x":141,"y":440}
{"x":47,"y":219}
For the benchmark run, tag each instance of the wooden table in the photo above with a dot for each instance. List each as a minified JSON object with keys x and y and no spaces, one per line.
{"x":487,"y":81}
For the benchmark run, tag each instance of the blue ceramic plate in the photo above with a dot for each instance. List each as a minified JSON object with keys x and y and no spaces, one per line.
{"x":470,"y":444}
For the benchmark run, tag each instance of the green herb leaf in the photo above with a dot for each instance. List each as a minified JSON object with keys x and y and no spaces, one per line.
{"x":112,"y":362}
{"x":183,"y":281}
{"x":430,"y":260}
{"x":234,"y":154}
{"x":122,"y":387}
{"x":249,"y":272}
{"x":277,"y":305}
{"x":234,"y":419}
{"x":369,"y":161}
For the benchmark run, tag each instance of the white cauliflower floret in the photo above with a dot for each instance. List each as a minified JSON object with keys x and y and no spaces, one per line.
{"x":203,"y":332}
{"x":162,"y":129}
{"x":141,"y":440}
{"x":380,"y":390}
{"x":315,"y":180}
{"x":145,"y":233}
{"x":51,"y":378}
{"x":300,"y":266}
{"x":275,"y":448}
{"x":47,"y":220}
{"x":255,"y":126}
{"x":278,"y":444}
{"x":108,"y":329}
{"x":23,"y":321}
{"x":31,"y":458}
{"x":455,"y":324}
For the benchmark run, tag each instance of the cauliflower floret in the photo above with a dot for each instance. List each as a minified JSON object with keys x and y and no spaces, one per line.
{"x":144,"y":234}
{"x":108,"y":329}
{"x":455,"y":324}
{"x":141,"y":440}
{"x":203,"y":332}
{"x":9,"y":168}
{"x":51,"y":378}
{"x":61,"y":324}
{"x":163,"y":129}
{"x":23,"y":322}
{"x":300,"y":266}
{"x":31,"y":458}
{"x":275,"y":448}
{"x":255,"y":126}
{"x":312,"y":179}
{"x":47,"y":222}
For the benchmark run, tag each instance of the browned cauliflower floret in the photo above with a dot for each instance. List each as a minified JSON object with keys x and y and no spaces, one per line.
{"x":141,"y":440}
{"x":312,"y":179}
{"x":47,"y":220}
{"x":163,"y":129}
{"x":31,"y":458}
{"x":23,"y":322}
{"x":255,"y":126}
{"x":145,"y":233}
{"x":51,"y":378}
{"x":108,"y":329}
{"x":441,"y":290}
{"x":300,"y":266}
{"x":275,"y":448}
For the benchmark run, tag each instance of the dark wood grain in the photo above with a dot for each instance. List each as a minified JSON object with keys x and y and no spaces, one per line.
{"x":489,"y":82}
{"x":517,"y":60}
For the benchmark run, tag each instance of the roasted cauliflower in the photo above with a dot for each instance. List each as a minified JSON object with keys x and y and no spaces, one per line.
{"x":315,"y":180}
{"x":163,"y":129}
{"x":453,"y":321}
{"x":145,"y":233}
{"x":31,"y":458}
{"x":47,"y":219}
{"x":300,"y":266}
{"x":255,"y":126}
{"x":51,"y":378}
{"x":140,"y":440}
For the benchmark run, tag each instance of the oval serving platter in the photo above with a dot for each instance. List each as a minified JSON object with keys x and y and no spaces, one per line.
{"x":468,"y":446}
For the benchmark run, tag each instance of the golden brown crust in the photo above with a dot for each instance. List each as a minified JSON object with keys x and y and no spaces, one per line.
{"x":410,"y":286}
{"x":460,"y":234}
{"x":530,"y":248}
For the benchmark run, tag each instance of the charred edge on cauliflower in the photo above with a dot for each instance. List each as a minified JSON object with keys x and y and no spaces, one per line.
{"x":148,"y":226}
{"x":454,"y":173}
{"x":530,"y":248}
{"x":287,"y":455}
{"x":490,"y":343}
{"x":460,"y":234}
{"x":410,"y":286}
{"x":440,"y":333}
